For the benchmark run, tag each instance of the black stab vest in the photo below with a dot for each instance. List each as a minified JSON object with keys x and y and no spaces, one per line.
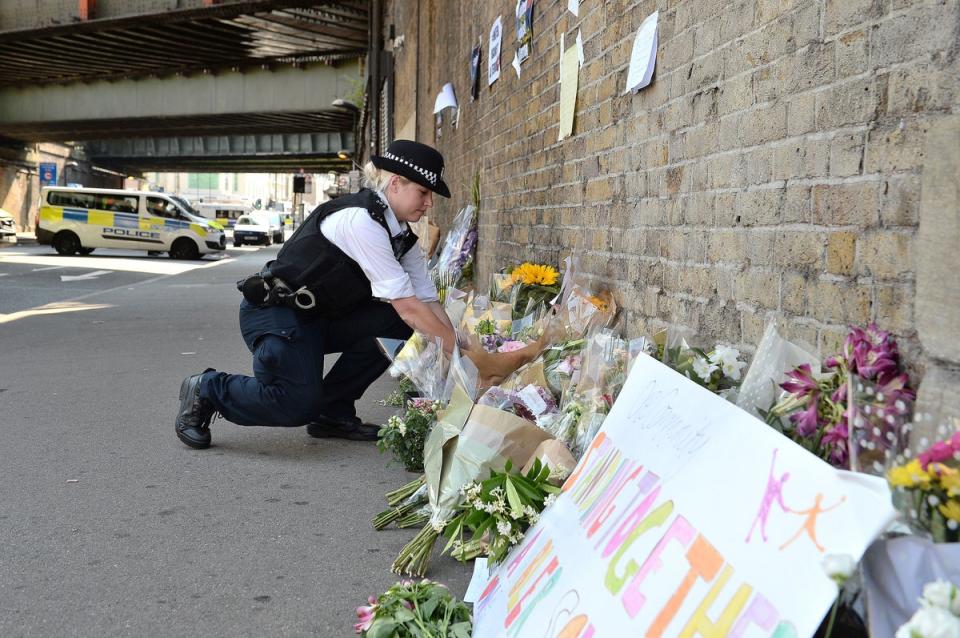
{"x":309,"y":259}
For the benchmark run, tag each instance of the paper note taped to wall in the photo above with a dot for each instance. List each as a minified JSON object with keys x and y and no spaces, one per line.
{"x":569,"y":78}
{"x":643,"y":59}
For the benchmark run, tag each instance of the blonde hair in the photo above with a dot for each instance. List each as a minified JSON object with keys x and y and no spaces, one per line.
{"x":377,"y":178}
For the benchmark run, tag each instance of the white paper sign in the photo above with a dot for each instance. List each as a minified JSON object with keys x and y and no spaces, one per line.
{"x":516,"y":64}
{"x":573,"y":6}
{"x":685,"y":516}
{"x":478,"y":581}
{"x":493,"y":64}
{"x":445,"y":98}
{"x":580,"y":47}
{"x":643,"y":58}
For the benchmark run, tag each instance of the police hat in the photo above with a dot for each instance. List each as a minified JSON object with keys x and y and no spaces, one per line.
{"x":417,"y":162}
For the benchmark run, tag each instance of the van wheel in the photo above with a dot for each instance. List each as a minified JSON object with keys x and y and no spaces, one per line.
{"x":66,"y":243}
{"x":278,"y":238}
{"x":85,"y":251}
{"x":184,"y":248}
{"x":268,"y":241}
{"x":237,"y":242}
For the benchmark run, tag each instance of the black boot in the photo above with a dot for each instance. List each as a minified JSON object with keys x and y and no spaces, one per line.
{"x":193,"y":419}
{"x":345,"y":428}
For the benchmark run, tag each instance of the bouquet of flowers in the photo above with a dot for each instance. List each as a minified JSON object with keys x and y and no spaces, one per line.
{"x":927,"y":490}
{"x":454,"y":267}
{"x":405,"y":435}
{"x":414,"y":609}
{"x":404,"y":392}
{"x":939,"y":613}
{"x":561,"y":364}
{"x":530,"y":402}
{"x":532,"y":286}
{"x":498,"y":511}
{"x":718,"y":370}
{"x":816,"y":405}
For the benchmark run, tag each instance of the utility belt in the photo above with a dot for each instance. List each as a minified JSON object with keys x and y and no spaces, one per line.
{"x":263,"y":289}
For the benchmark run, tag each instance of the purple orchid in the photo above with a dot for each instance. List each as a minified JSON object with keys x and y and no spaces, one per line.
{"x":801,"y":381}
{"x":807,"y":421}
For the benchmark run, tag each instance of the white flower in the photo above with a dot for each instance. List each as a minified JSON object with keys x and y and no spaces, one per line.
{"x":402,"y":428}
{"x":838,"y":567}
{"x":529,"y":512}
{"x":490,"y":508}
{"x":931,"y":622}
{"x":504,"y":527}
{"x":941,"y":594}
{"x":703,"y":368}
{"x":728,"y":360}
{"x":547,"y":502}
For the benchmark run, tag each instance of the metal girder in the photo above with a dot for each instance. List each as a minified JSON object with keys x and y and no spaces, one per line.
{"x":220,"y":146}
{"x":308,"y":89}
{"x":225,"y":153}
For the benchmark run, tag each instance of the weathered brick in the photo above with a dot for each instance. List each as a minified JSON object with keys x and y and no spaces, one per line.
{"x":759,"y":288}
{"x":841,"y":252}
{"x":839,"y":301}
{"x":849,"y":204}
{"x":851,"y":102}
{"x":846,"y":155}
{"x":799,"y":250}
{"x":885,"y":255}
{"x":895,"y":148}
{"x":901,"y":201}
{"x":852,"y":53}
{"x":793,"y":297}
{"x":840,"y":15}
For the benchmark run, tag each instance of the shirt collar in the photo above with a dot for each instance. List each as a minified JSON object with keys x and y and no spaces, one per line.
{"x":395,"y":226}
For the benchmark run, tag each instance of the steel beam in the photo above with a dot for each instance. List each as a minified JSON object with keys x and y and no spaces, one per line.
{"x":307,"y":89}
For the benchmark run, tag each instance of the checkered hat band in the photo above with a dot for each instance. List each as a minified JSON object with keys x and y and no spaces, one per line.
{"x":430,"y":175}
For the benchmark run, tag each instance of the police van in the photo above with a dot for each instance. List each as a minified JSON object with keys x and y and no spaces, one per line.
{"x":78,"y":220}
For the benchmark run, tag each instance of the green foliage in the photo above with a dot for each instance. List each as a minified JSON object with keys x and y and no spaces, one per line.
{"x":498,"y":511}
{"x":405,"y":435}
{"x":423,"y":609}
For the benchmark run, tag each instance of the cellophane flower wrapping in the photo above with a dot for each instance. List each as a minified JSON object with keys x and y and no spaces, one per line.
{"x":424,"y":364}
{"x":454,"y":266}
{"x":815,"y":409}
{"x":925,"y":479}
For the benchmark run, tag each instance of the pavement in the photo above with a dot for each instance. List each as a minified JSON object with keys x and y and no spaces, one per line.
{"x":111,"y":526}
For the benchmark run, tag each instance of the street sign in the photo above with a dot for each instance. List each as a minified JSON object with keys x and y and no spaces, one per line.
{"x":308,"y":184}
{"x":48,"y":174}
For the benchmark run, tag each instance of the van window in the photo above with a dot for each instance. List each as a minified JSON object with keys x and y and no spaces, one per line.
{"x":118,"y":203}
{"x":246,"y":220}
{"x":71,"y":200}
{"x":162,"y":208}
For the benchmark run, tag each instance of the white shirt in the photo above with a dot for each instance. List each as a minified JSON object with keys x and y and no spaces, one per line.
{"x":353,"y":231}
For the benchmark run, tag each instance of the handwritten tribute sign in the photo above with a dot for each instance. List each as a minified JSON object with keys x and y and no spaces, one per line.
{"x":685,"y":517}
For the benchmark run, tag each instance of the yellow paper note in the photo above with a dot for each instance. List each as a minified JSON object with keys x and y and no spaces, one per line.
{"x":569,"y":76}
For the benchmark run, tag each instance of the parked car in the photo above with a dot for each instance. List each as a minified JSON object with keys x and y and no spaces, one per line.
{"x":8,"y":228}
{"x":274,"y":220}
{"x":251,"y":230}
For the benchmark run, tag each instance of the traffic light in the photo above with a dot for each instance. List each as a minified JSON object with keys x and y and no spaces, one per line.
{"x":299,"y":183}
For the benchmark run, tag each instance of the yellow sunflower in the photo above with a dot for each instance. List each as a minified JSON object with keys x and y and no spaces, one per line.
{"x":535,"y":274}
{"x":950,"y":480}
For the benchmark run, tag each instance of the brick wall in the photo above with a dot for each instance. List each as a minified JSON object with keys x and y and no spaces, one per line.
{"x":771,"y":170}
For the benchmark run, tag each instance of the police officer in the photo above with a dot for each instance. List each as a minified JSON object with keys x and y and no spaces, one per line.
{"x":325,"y":293}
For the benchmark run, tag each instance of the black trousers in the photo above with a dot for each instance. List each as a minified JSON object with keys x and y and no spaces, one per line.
{"x":288,"y":387}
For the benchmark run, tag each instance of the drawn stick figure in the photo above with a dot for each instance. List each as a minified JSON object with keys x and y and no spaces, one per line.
{"x":810,"y":525}
{"x":773,"y":493}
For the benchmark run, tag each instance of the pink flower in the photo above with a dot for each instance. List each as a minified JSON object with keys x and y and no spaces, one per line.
{"x":940,"y":451}
{"x":365,"y":614}
{"x":807,"y":421}
{"x":801,"y":381}
{"x":837,"y":438}
{"x":510,"y":346}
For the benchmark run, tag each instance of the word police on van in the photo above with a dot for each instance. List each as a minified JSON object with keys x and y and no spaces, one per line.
{"x":78,"y":220}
